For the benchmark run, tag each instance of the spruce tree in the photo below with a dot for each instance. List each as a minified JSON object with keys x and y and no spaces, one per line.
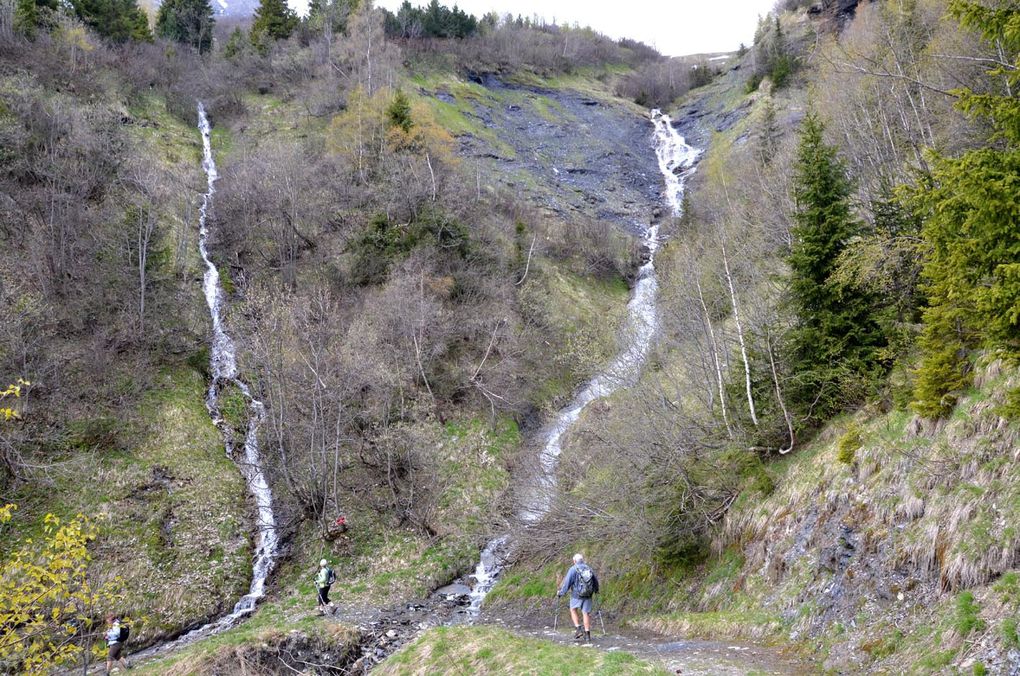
{"x":971,"y":230}
{"x":115,"y":20}
{"x":235,"y":43}
{"x":398,"y":113}
{"x":26,"y":18}
{"x":835,"y":339}
{"x":187,"y":21}
{"x":274,"y":20}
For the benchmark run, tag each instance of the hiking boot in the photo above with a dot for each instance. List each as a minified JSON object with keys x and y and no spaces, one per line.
{"x":587,"y":637}
{"x":578,"y":633}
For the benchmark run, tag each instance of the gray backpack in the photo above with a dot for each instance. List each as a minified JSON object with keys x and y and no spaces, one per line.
{"x":584,"y":588}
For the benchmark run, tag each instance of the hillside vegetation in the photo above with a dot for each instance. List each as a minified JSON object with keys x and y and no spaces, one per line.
{"x":424,"y":224}
{"x":822,"y":460}
{"x":401,"y":310}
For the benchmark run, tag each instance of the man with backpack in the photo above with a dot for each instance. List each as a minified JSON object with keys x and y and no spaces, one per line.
{"x":582,"y":585}
{"x":323,"y":581}
{"x":116,"y":637}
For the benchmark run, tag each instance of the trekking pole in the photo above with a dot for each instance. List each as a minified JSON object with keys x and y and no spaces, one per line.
{"x":556,"y":612}
{"x":601,"y":621}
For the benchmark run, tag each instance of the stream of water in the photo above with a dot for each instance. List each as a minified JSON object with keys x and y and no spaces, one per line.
{"x":224,"y":373}
{"x":223,"y":365}
{"x":676,"y":162}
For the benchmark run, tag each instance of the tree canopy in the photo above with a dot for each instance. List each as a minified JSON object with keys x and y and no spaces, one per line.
{"x":187,"y":21}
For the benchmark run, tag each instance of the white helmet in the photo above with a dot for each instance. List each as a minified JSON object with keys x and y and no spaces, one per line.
{"x":323,"y":563}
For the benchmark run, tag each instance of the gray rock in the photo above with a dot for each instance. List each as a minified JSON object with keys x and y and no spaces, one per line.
{"x":454,"y":590}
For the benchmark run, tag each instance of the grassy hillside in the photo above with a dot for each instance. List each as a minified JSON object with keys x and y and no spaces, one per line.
{"x":139,"y":454}
{"x":887,"y":541}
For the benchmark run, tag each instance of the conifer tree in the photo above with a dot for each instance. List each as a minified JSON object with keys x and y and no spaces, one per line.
{"x":274,"y":20}
{"x":835,"y":340}
{"x":972,"y":228}
{"x":115,"y":20}
{"x":399,"y":112}
{"x":26,"y":18}
{"x":235,"y":43}
{"x":187,"y":21}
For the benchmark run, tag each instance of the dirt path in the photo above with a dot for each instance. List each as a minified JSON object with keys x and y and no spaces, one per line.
{"x":682,"y":656}
{"x":386,"y":631}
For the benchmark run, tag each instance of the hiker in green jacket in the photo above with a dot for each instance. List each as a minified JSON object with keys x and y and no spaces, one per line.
{"x":323,"y":581}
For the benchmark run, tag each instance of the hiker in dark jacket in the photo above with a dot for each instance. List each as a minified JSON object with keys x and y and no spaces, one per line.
{"x":582,"y":585}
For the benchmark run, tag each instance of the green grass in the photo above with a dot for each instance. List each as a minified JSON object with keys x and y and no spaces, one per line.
{"x":489,"y":650}
{"x":520,"y":584}
{"x":273,"y":622}
{"x":966,"y":619}
{"x":170,"y":505}
{"x":587,"y":313}
{"x":167,"y":138}
{"x":548,"y":109}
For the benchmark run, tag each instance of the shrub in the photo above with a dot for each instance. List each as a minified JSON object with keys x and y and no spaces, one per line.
{"x":848,"y":445}
{"x":384,"y":243}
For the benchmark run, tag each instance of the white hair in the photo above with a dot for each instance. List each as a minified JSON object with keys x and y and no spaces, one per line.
{"x":323,"y":563}
{"x":578,"y":558}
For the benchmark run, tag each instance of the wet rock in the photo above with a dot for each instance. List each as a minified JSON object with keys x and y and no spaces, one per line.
{"x":454,"y":591}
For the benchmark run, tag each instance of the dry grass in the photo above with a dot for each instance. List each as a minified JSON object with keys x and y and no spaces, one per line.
{"x":930,"y":510}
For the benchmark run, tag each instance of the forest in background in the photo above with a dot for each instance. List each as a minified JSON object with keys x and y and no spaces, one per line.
{"x":854,"y":247}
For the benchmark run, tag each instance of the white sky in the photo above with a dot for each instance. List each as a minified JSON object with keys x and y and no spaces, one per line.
{"x":674,"y":27}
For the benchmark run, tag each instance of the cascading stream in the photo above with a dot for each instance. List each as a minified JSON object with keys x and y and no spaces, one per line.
{"x":224,"y":373}
{"x":223,"y":364}
{"x":676,"y":162}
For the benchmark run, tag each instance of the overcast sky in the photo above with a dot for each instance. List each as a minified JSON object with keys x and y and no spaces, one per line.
{"x":674,"y":27}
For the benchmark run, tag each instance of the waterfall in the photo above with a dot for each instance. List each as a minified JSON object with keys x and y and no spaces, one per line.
{"x":224,"y":372}
{"x":223,"y":364}
{"x":676,"y":162}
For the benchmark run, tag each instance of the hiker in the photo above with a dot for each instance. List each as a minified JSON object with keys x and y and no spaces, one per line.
{"x":116,"y":637}
{"x":323,"y":581}
{"x":582,"y":585}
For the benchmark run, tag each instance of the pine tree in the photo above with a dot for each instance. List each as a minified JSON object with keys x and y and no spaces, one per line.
{"x":768,"y":134}
{"x":115,"y":20}
{"x":836,"y":336}
{"x":972,"y":229}
{"x":398,"y":113}
{"x":187,"y":21}
{"x":235,"y":43}
{"x":329,"y":15}
{"x":26,"y":18}
{"x":274,"y":20}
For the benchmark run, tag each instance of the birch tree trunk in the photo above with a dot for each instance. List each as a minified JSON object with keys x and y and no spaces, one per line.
{"x":740,"y":337}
